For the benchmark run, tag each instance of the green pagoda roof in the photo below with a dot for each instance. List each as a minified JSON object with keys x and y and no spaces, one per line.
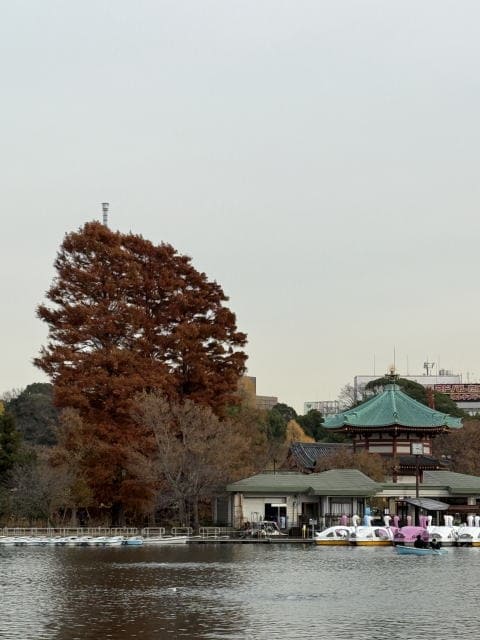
{"x":389,"y":408}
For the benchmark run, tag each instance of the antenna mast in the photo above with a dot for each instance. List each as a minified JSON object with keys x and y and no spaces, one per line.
{"x":428,"y":366}
{"x":105,"y":206}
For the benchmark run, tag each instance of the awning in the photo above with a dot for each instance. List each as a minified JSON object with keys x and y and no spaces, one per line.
{"x":428,"y":504}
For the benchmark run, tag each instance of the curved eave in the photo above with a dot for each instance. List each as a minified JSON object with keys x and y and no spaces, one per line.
{"x":391,"y":428}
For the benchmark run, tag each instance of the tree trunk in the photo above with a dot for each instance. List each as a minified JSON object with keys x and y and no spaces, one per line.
{"x":196,"y":522}
{"x":118,"y":515}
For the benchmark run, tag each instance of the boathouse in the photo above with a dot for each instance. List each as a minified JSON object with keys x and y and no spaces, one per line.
{"x":293,"y":499}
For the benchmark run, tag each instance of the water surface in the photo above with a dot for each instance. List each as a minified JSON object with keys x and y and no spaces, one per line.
{"x":236,"y":591}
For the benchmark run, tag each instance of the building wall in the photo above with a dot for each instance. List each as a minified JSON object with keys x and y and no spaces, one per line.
{"x":326,"y":407}
{"x":266,"y":402}
{"x":299,"y":508}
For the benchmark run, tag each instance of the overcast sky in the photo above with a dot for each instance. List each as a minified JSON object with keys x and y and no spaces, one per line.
{"x":319,"y":159}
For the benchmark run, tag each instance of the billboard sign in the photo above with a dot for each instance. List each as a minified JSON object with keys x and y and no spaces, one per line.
{"x":460,"y":392}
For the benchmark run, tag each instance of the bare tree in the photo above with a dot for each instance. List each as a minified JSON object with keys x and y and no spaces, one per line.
{"x":196,"y":451}
{"x":346,"y":397}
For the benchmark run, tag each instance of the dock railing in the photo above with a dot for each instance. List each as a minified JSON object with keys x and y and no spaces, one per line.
{"x":51,"y":532}
{"x":216,"y":532}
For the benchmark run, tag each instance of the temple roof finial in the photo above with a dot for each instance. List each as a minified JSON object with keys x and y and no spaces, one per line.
{"x":392,"y":375}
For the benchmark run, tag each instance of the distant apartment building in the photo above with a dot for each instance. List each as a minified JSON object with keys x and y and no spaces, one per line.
{"x":326,"y":407}
{"x":266,"y":402}
{"x":248,"y":389}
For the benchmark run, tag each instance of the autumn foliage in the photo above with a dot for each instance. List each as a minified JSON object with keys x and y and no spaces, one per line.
{"x":127,"y":316}
{"x":460,"y":449}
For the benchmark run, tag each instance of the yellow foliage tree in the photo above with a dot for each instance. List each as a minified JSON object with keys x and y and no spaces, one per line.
{"x":295,"y":433}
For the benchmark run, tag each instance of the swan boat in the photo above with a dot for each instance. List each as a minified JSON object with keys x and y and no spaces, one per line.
{"x":334,"y":536}
{"x":468,"y":536}
{"x":447,"y":536}
{"x":371,"y":537}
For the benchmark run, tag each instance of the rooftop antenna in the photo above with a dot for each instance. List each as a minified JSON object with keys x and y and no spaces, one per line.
{"x":428,"y":366}
{"x":105,"y":206}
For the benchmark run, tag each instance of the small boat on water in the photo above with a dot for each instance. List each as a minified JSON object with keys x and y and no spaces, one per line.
{"x":166,"y":540}
{"x":408,"y":535}
{"x":334,"y":536}
{"x":415,"y":551}
{"x":134,"y":541}
{"x":468,"y":536}
{"x":109,"y":541}
{"x":371,"y":537}
{"x":447,"y":536}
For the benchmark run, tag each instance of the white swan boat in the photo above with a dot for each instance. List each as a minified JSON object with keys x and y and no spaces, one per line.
{"x":468,"y":536}
{"x":334,"y":536}
{"x":371,"y":536}
{"x":447,"y":536}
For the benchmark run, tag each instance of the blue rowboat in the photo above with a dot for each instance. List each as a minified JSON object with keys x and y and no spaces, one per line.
{"x":415,"y":551}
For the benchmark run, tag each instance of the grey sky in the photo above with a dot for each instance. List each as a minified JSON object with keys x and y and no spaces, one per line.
{"x":318,"y":159}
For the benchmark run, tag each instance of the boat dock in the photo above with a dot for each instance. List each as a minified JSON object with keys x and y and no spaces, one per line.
{"x":83,"y":536}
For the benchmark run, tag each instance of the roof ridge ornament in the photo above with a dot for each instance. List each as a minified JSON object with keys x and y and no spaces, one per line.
{"x":392,"y":376}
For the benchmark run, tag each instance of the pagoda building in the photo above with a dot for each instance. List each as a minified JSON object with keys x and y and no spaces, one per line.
{"x":394,"y":425}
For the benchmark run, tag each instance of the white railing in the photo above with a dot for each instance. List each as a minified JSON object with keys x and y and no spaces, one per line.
{"x":182,"y":531}
{"x":215,"y":532}
{"x":153,"y":532}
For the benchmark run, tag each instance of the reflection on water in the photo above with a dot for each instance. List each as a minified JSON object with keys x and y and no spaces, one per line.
{"x":236,"y":591}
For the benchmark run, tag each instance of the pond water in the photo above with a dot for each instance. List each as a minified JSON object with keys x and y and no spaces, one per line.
{"x":236,"y":591}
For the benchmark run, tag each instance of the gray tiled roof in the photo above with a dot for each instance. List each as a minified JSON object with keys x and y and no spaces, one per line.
{"x":457,"y":483}
{"x":305,"y":454}
{"x":339,"y":482}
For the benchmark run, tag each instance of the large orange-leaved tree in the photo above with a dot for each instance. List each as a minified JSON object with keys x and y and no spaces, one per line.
{"x":128,"y":316}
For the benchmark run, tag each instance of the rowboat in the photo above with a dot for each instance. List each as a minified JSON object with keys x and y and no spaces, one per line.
{"x":166,"y":540}
{"x":415,"y":551}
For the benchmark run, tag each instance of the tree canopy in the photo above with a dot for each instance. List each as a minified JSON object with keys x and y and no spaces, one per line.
{"x":128,"y":316}
{"x":10,"y":440}
{"x":461,"y":448}
{"x":35,"y":415}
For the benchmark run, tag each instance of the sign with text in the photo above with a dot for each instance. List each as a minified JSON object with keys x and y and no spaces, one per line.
{"x":460,"y":392}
